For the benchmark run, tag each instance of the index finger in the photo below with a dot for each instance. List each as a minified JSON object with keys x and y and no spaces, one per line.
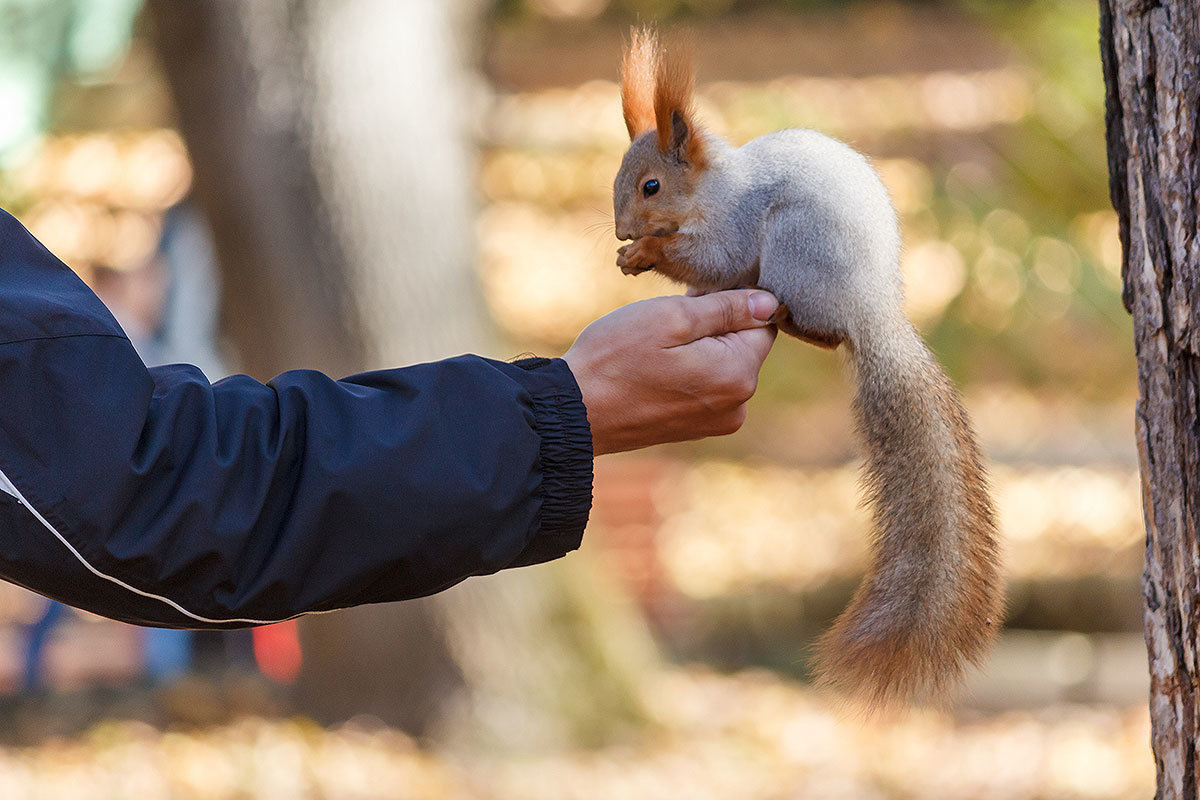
{"x":757,"y":341}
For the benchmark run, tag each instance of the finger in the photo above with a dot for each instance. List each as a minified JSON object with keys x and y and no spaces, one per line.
{"x":757,"y":341}
{"x":723,"y":312}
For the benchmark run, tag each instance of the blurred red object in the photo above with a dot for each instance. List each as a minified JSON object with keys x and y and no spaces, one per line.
{"x":277,"y":651}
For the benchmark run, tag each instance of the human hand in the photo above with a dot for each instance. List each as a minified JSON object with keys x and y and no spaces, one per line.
{"x":671,"y":369}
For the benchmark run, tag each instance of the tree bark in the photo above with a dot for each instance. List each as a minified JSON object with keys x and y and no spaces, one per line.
{"x":1151,"y":57}
{"x":333,"y":156}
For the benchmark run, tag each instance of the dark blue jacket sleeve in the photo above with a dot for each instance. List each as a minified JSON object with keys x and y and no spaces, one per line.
{"x":153,"y":496}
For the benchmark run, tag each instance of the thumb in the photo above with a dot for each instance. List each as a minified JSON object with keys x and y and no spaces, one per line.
{"x":734,"y":310}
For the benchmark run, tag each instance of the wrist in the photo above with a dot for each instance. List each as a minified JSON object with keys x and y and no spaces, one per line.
{"x":586,"y":384}
{"x":565,"y":452}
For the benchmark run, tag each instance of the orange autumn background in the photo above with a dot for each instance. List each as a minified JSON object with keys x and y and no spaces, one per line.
{"x":708,"y":569}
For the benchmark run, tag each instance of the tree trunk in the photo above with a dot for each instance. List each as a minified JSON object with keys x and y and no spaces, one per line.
{"x":333,"y":156}
{"x":1151,"y":55}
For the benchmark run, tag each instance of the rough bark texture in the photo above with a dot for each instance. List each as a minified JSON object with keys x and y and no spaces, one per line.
{"x":332,"y":149}
{"x":1151,"y":54}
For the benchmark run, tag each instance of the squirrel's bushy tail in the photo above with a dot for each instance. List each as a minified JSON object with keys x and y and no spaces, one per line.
{"x":931,"y":601}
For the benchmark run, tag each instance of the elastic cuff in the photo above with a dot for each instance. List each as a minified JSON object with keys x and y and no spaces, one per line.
{"x":565,"y":458}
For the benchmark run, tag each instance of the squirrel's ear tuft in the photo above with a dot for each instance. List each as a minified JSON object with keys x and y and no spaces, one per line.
{"x":639,"y":70}
{"x":674,"y":118}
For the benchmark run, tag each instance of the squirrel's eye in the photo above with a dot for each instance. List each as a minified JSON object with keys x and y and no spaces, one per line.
{"x":650,"y":187}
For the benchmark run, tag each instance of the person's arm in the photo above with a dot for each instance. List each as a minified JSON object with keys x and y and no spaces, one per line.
{"x":155,"y":497}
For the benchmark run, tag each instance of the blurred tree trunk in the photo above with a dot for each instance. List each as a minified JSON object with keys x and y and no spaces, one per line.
{"x":1151,"y":54}
{"x":333,"y":157}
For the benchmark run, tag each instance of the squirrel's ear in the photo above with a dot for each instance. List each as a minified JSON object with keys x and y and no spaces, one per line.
{"x":681,"y":132}
{"x":639,"y":68}
{"x":674,"y":120}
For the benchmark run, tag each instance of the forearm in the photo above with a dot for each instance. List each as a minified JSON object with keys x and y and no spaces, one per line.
{"x":242,"y":503}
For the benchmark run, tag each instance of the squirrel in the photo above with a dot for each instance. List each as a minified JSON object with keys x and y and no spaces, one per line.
{"x":806,"y":217}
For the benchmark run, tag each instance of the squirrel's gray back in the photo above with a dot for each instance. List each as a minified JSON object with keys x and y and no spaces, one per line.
{"x":828,"y":222}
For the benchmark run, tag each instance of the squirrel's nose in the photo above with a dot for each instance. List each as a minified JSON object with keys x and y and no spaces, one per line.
{"x":623,"y":234}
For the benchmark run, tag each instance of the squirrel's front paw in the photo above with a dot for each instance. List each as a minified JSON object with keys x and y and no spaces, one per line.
{"x":639,"y":255}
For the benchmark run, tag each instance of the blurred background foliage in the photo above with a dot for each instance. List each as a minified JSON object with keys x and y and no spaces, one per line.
{"x":985,"y":120}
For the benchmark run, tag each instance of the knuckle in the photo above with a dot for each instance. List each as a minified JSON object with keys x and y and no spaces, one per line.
{"x":739,"y":383}
{"x":730,"y":303}
{"x":746,"y":385}
{"x":679,"y":320}
{"x":730,"y":422}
